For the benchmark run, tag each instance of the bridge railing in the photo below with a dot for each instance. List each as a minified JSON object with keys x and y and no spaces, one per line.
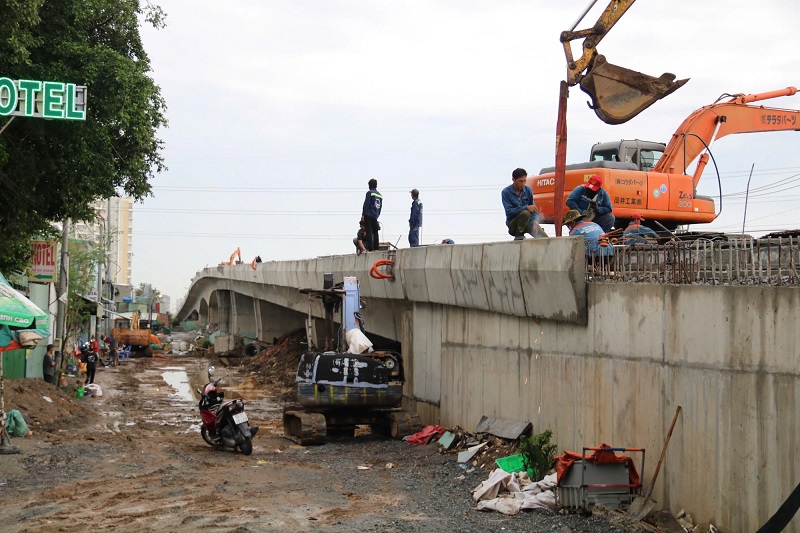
{"x":746,"y":261}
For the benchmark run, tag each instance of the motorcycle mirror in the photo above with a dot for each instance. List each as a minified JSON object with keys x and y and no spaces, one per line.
{"x":210,"y":372}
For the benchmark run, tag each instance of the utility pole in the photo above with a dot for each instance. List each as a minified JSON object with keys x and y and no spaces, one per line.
{"x":61,"y":295}
{"x":109,"y":284}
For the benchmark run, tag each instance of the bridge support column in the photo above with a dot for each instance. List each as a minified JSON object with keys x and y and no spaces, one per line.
{"x":243,"y":315}
{"x":272,"y":320}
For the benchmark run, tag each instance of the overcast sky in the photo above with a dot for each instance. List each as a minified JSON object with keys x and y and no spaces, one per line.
{"x":281,"y":111}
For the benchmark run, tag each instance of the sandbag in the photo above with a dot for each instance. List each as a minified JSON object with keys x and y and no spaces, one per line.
{"x":15,"y":424}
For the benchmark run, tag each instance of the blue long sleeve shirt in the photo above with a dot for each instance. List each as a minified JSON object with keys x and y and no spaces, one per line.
{"x":514,"y":203}
{"x":580,"y":197}
{"x":416,"y":213}
{"x":372,"y":204}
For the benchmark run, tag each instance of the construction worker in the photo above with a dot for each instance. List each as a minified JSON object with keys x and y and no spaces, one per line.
{"x":415,"y":220}
{"x":636,"y":233}
{"x":360,"y":239}
{"x":370,"y":212}
{"x":593,"y":202}
{"x":522,"y":216}
{"x":590,"y":231}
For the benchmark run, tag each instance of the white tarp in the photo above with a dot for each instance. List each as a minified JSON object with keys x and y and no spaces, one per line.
{"x":510,"y":493}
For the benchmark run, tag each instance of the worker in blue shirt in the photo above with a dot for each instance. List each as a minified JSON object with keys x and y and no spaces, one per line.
{"x":591,"y":233}
{"x":637,"y":233}
{"x":370,"y":212}
{"x":593,"y":202}
{"x":522,"y":216}
{"x":415,"y":221}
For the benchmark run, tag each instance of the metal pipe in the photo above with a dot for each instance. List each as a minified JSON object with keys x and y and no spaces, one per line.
{"x":580,"y":18}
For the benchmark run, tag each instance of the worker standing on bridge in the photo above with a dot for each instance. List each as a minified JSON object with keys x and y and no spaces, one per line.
{"x":593,"y":202}
{"x":522,"y":216}
{"x":415,"y":221}
{"x":370,"y":213}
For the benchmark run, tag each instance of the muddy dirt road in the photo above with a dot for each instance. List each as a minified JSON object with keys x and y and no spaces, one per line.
{"x":133,"y":460}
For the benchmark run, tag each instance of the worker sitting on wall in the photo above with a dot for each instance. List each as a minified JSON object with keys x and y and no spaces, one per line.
{"x":361,"y":239}
{"x":522,"y":215}
{"x":593,"y":202}
{"x":591,"y":233}
{"x":637,"y":233}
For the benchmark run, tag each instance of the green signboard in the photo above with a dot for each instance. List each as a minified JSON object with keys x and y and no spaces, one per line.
{"x":44,"y":99}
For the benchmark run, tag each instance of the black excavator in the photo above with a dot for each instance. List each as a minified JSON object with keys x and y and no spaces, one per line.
{"x":338,"y":390}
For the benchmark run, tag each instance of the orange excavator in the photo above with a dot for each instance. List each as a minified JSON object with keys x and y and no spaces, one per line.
{"x":650,"y":178}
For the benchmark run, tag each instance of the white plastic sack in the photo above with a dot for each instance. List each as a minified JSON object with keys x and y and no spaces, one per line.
{"x":95,"y":388}
{"x":357,"y":342}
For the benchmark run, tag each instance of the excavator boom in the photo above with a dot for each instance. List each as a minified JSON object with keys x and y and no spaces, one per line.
{"x":665,"y":193}
{"x":712,"y":122}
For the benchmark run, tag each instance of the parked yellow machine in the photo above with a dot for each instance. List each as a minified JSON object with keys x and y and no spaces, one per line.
{"x":128,"y":332}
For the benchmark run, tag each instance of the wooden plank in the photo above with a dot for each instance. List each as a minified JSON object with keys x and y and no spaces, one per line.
{"x":505,"y":429}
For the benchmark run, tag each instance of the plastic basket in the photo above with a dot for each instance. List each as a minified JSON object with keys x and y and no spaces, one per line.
{"x":79,"y":392}
{"x":511,"y":464}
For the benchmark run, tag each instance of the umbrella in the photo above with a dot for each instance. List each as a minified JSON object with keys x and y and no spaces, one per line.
{"x":17,"y":311}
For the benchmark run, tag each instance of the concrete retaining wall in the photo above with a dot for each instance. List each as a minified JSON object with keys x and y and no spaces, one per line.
{"x":730,"y":359}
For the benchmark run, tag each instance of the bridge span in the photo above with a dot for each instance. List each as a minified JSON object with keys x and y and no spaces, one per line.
{"x":514,"y":330}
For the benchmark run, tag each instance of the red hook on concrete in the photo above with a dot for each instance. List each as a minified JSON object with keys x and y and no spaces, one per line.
{"x":377,"y":274}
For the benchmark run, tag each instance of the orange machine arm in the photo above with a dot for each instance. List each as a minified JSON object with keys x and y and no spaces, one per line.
{"x":720,"y":119}
{"x":234,"y":254}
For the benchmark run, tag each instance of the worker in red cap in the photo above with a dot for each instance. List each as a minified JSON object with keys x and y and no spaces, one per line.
{"x":638,"y":233}
{"x":593,"y":202}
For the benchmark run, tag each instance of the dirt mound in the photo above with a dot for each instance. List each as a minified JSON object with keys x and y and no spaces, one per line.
{"x":28,"y":395}
{"x":276,"y":367}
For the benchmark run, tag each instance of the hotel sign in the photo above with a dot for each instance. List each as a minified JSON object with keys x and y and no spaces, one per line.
{"x":44,"y":99}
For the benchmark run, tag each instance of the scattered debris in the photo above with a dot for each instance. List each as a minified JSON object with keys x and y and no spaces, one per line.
{"x":447,"y":440}
{"x":511,"y":493}
{"x":505,"y":429}
{"x":469,"y":453}
{"x":425,"y":436}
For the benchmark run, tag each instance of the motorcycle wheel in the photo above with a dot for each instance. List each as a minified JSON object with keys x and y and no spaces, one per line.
{"x":247,"y":446}
{"x":206,"y":437}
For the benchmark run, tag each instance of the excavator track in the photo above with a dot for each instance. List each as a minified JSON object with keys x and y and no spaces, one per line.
{"x":403,"y":423}
{"x":304,"y":427}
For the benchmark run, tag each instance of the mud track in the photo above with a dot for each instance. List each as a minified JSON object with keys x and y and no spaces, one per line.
{"x":133,"y":460}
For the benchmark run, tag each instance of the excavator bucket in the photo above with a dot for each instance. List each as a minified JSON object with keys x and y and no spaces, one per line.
{"x":619,"y":94}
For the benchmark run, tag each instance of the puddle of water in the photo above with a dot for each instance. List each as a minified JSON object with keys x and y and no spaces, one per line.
{"x":179,"y":380}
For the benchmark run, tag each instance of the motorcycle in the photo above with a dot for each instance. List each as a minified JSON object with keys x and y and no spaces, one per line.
{"x":224,"y":422}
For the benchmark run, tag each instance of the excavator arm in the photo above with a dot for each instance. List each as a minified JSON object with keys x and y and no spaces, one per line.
{"x":237,"y":252}
{"x":712,"y":122}
{"x":618,"y":94}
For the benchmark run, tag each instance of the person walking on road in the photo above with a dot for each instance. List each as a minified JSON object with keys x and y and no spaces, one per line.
{"x":89,"y":356}
{"x":593,"y":202}
{"x":370,"y":212}
{"x":522,"y":215}
{"x":49,"y":365}
{"x":415,"y":221}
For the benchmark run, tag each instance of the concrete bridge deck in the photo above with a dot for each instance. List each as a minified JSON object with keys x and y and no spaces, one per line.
{"x":513,"y":330}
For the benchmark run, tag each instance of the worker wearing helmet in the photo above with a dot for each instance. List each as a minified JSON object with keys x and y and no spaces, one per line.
{"x":593,"y":202}
{"x":637,"y":233}
{"x":590,"y":231}
{"x":522,"y":215}
{"x":415,"y":221}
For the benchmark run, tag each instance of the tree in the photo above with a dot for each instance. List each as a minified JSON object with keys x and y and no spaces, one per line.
{"x":84,"y":258}
{"x":51,"y":169}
